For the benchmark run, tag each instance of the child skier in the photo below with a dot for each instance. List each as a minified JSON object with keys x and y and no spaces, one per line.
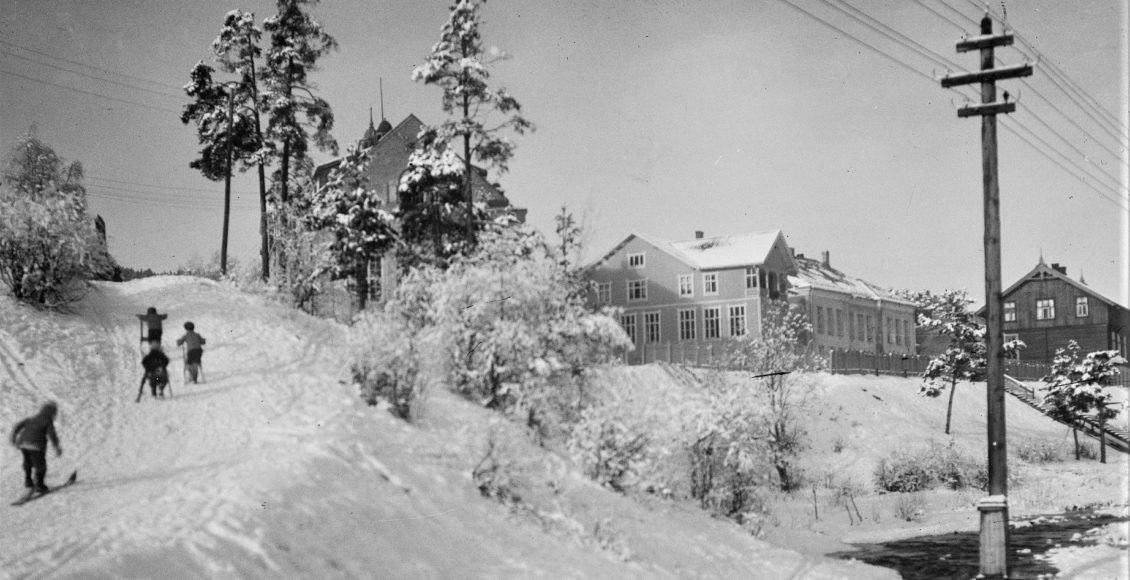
{"x":156,"y":371}
{"x":194,"y":349}
{"x":152,"y":321}
{"x":30,"y":436}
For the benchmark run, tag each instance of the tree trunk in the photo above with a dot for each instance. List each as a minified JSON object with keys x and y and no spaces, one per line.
{"x":949,"y":408}
{"x":361,"y":277}
{"x":1102,"y":436}
{"x":264,"y":251}
{"x":227,"y":187}
{"x":1075,"y":434}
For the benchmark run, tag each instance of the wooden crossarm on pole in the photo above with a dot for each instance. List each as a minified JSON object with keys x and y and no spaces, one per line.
{"x":987,"y":76}
{"x":986,"y":109}
{"x":985,"y":41}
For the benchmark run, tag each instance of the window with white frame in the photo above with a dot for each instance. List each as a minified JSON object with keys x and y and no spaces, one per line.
{"x":637,"y":290}
{"x":686,"y":284}
{"x":710,"y":284}
{"x":1045,"y":309}
{"x":604,"y":292}
{"x":636,"y":260}
{"x":651,"y":327}
{"x":1010,"y":312}
{"x":737,"y":320}
{"x":687,"y":324}
{"x":890,"y":335}
{"x":751,"y":277}
{"x":1082,"y":307}
{"x":711,"y":322}
{"x":628,"y":322}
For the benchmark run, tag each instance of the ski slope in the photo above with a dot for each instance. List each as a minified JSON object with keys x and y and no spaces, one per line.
{"x":273,"y":468}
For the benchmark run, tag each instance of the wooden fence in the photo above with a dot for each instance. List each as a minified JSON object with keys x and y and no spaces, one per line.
{"x":714,"y":355}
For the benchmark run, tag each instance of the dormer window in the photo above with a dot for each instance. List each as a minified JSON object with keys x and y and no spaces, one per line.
{"x":636,"y":260}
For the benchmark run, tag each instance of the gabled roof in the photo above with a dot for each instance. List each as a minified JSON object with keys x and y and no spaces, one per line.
{"x":750,"y":249}
{"x":815,"y":274}
{"x":1042,"y":271}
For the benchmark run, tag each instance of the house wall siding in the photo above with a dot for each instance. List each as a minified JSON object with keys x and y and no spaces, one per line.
{"x":817,"y":300}
{"x":1064,"y":295}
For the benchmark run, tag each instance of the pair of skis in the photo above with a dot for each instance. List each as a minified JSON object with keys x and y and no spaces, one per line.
{"x":34,"y":495}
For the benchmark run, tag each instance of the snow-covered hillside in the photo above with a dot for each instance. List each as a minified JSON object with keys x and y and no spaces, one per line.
{"x":274,"y":469}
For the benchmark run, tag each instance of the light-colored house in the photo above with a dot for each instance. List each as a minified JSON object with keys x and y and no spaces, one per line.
{"x":849,"y":313}
{"x":692,"y":292}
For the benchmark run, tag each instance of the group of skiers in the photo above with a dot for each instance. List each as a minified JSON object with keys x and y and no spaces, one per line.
{"x":32,"y":434}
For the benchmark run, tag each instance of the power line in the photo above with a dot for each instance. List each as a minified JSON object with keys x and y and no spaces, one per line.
{"x":168,"y":187}
{"x":904,"y":40}
{"x":77,"y":63}
{"x":1073,"y":173}
{"x":90,"y":76}
{"x":167,"y":204}
{"x":1067,"y":141}
{"x":91,"y":93}
{"x":859,"y":41}
{"x":154,"y":196}
{"x":957,"y":25}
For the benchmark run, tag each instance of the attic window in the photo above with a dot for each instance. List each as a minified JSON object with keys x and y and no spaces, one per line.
{"x":636,"y":260}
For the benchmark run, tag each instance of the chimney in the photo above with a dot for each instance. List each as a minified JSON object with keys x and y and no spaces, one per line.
{"x":1060,"y":269}
{"x":826,"y":258}
{"x":698,"y":234}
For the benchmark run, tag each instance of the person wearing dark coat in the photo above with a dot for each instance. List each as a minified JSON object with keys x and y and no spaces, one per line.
{"x":194,"y":349}
{"x":31,"y":436}
{"x":152,"y":322}
{"x":156,"y":365}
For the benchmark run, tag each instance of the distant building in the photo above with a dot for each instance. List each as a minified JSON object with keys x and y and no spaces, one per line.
{"x":849,"y":313}
{"x":389,"y":150}
{"x":1046,"y":309}
{"x":692,"y":292}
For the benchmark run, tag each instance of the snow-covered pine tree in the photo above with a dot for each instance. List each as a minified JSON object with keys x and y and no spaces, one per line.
{"x":1076,"y":387}
{"x":477,"y":114}
{"x":236,"y":51}
{"x":349,"y":208}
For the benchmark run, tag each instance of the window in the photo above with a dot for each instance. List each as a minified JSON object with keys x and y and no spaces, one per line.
{"x":870,"y":329}
{"x":851,"y":325}
{"x":890,"y":335}
{"x":1010,"y":312}
{"x":1082,"y":308}
{"x":819,"y":320}
{"x":772,"y":284}
{"x":839,"y":323}
{"x":711,"y":327}
{"x":751,"y":277}
{"x":635,"y":260}
{"x":831,"y":324}
{"x":1045,"y":309}
{"x":710,"y":284}
{"x":637,"y":290}
{"x":737,"y":320}
{"x":898,"y":333}
{"x":906,"y":333}
{"x":604,"y":292}
{"x":686,"y":284}
{"x":628,"y":321}
{"x":651,"y":326}
{"x":686,"y":325}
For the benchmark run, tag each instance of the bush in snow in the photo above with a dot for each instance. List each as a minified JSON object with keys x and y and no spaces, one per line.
{"x":48,"y":244}
{"x":514,"y":333}
{"x":1077,"y":387}
{"x":611,"y":448}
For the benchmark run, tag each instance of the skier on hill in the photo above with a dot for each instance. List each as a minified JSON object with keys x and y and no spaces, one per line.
{"x":30,"y":436}
{"x":194,"y":349}
{"x":156,"y":365}
{"x":152,"y":321}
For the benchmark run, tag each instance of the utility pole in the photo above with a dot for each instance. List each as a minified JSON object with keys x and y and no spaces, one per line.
{"x":994,"y":508}
{"x":227,"y":183}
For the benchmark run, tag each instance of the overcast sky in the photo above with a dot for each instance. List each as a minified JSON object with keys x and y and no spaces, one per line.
{"x":662,"y":117}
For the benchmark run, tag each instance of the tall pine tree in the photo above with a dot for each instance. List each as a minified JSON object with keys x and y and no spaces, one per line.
{"x":477,"y":114}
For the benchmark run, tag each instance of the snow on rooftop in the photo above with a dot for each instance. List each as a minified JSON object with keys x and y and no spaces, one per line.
{"x":815,"y":274}
{"x":727,"y":251}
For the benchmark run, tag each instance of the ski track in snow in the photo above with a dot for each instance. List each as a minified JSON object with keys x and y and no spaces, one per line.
{"x":168,"y":472}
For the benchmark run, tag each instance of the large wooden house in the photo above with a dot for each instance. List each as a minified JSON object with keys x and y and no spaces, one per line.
{"x":692,"y":292}
{"x":1046,"y":309}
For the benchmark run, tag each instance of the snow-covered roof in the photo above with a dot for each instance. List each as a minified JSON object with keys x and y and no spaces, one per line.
{"x":715,"y":253}
{"x":815,"y":274}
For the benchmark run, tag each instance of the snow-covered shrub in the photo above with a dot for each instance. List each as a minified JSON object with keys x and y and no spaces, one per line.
{"x":514,"y":333}
{"x":610,"y":449}
{"x":498,"y":473}
{"x":1037,"y":451}
{"x":910,"y":507}
{"x":390,"y":362}
{"x":910,"y":470}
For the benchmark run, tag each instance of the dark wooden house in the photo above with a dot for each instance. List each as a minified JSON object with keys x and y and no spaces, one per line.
{"x":1046,"y":309}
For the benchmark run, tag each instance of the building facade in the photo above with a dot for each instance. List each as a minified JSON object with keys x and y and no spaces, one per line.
{"x":1046,"y":309}
{"x":849,"y":313}
{"x":693,"y":292}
